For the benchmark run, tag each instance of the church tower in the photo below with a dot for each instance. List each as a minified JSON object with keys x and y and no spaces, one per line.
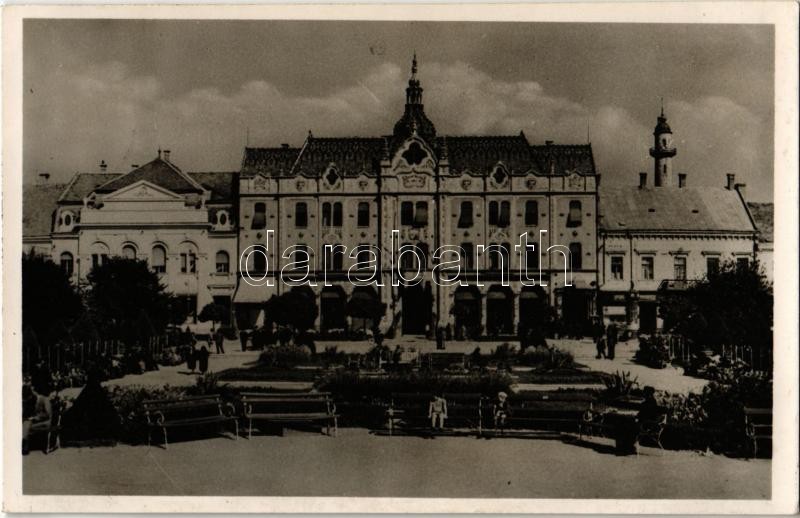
{"x":662,"y":152}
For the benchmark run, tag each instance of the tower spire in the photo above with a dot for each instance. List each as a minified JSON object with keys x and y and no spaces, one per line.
{"x":662,"y":106}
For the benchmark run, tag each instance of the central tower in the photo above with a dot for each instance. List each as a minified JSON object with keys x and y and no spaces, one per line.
{"x":414,"y":118}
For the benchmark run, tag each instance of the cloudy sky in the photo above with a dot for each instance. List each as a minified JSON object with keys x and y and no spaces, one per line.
{"x":117,"y":90}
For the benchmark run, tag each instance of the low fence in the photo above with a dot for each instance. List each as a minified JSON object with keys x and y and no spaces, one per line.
{"x":758,"y":358}
{"x":61,"y":357}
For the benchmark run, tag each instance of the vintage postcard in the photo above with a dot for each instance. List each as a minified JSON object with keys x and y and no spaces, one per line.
{"x":440,"y":258}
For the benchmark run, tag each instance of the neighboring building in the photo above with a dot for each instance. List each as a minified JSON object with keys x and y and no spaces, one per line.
{"x":183,"y":224}
{"x":764,"y":217}
{"x":39,"y":203}
{"x":660,"y":238}
{"x":435,"y":190}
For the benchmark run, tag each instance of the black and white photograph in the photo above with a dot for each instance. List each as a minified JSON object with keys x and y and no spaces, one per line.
{"x":410,"y":259}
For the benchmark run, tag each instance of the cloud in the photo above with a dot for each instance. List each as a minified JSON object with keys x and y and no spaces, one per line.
{"x":107,"y":112}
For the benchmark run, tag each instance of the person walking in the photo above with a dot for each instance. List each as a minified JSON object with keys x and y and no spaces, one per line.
{"x":599,"y":338}
{"x":612,"y":335}
{"x":202,"y":359}
{"x":191,"y":354}
{"x":219,"y":341}
{"x":243,"y":339}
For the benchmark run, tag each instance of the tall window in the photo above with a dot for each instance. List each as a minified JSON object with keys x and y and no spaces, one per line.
{"x":326,"y":214}
{"x":576,"y":251}
{"x":363,"y":256}
{"x":407,"y":213}
{"x":408,"y":259}
{"x":363,"y":214}
{"x":647,"y":268}
{"x":616,"y":267}
{"x":159,"y":259}
{"x":468,"y":257}
{"x":505,"y":214}
{"x":334,"y":258}
{"x":223,"y":262}
{"x":259,"y":256}
{"x":188,"y":262}
{"x":129,"y":252}
{"x":712,"y":265}
{"x":465,"y":215}
{"x":337,"y":214}
{"x":423,"y":253}
{"x":494,"y":213}
{"x":680,"y":268}
{"x":301,"y":214}
{"x":259,"y":216}
{"x":575,"y":217}
{"x":531,"y":257}
{"x":498,"y":256}
{"x":67,"y":264}
{"x":531,"y":213}
{"x":421,"y":214}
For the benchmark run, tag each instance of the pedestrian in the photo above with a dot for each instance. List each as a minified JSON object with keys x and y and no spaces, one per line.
{"x":219,"y":341}
{"x":191,"y":354}
{"x":598,"y":334}
{"x":612,"y":335}
{"x":500,"y":411}
{"x":202,"y":359}
{"x":243,"y":338}
{"x":437,"y":411}
{"x":439,"y":338}
{"x":37,"y":413}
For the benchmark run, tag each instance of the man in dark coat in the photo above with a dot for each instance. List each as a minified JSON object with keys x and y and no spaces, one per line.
{"x":612,"y":335}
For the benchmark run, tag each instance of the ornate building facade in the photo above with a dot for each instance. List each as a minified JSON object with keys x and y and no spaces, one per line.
{"x":661,"y":237}
{"x":433,"y":190}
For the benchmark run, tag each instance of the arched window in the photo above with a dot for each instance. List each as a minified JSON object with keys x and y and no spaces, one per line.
{"x":301,"y":215}
{"x":259,"y":256}
{"x":337,"y":214}
{"x":494,"y":213}
{"x":259,"y":216}
{"x":188,"y":259}
{"x":575,"y":218}
{"x":159,"y":261}
{"x":223,"y":262}
{"x":421,"y":214}
{"x":576,"y":251}
{"x":465,"y":216}
{"x":129,"y":252}
{"x":363,"y":214}
{"x":67,"y":263}
{"x":326,"y":214}
{"x":531,"y":213}
{"x":505,"y":214}
{"x":407,"y":213}
{"x":99,"y":254}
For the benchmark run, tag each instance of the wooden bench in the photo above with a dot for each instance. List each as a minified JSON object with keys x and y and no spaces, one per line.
{"x":191,"y":411}
{"x":409,"y":411}
{"x":758,"y":426}
{"x":440,"y":361}
{"x":290,"y":408}
{"x":550,"y":411}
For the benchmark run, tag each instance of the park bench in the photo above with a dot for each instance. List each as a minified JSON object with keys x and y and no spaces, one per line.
{"x":188,"y":412}
{"x":290,"y":408}
{"x":546,"y":411}
{"x":409,"y":411}
{"x":440,"y":361}
{"x":51,"y":430}
{"x":758,"y":426}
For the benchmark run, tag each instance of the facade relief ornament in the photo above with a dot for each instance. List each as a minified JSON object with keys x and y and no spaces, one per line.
{"x":575,"y":181}
{"x":413,"y":181}
{"x":363,"y":184}
{"x":260,"y":183}
{"x":466,"y":183}
{"x":530,"y":183}
{"x":301,"y":185}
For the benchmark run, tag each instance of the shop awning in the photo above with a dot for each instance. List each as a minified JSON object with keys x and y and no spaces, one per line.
{"x":248,"y":294}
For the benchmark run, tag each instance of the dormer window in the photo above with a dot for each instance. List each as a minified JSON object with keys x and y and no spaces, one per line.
{"x":414,"y":155}
{"x":499,"y":176}
{"x":332,"y":176}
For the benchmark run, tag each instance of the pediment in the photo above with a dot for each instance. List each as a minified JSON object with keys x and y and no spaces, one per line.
{"x":143,"y":191}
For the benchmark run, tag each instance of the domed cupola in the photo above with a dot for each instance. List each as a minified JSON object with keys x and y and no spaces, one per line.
{"x":414,"y":118}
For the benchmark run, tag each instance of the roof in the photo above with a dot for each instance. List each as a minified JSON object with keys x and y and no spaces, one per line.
{"x":672,"y":208}
{"x":764,"y":216}
{"x":222,"y":185}
{"x":477,"y":155}
{"x":158,"y":172}
{"x":38,"y":206}
{"x":83,"y":184}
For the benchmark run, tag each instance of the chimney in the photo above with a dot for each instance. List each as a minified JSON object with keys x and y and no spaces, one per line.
{"x":731,"y":180}
{"x":642,"y":180}
{"x":166,"y":155}
{"x":44,"y":177}
{"x":134,"y":166}
{"x":103,"y":166}
{"x":285,"y":146}
{"x":742,"y":188}
{"x":681,"y":180}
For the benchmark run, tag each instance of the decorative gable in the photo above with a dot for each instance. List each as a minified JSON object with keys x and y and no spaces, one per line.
{"x":143,"y":191}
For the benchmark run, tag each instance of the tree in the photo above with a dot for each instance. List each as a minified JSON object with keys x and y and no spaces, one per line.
{"x":51,"y":304}
{"x":213,"y":312}
{"x":295,"y":309}
{"x":127,"y":300}
{"x":732,"y":306}
{"x":365,"y":309}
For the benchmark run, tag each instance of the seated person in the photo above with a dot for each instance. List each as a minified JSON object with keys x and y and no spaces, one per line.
{"x":37,"y":413}
{"x":437,"y":411}
{"x":500,"y":410}
{"x":649,"y":409}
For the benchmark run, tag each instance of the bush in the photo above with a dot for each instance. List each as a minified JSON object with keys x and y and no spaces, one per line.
{"x":620,"y":384}
{"x":285,"y":356}
{"x":653,"y":351}
{"x":353,"y":387}
{"x":546,"y":358}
